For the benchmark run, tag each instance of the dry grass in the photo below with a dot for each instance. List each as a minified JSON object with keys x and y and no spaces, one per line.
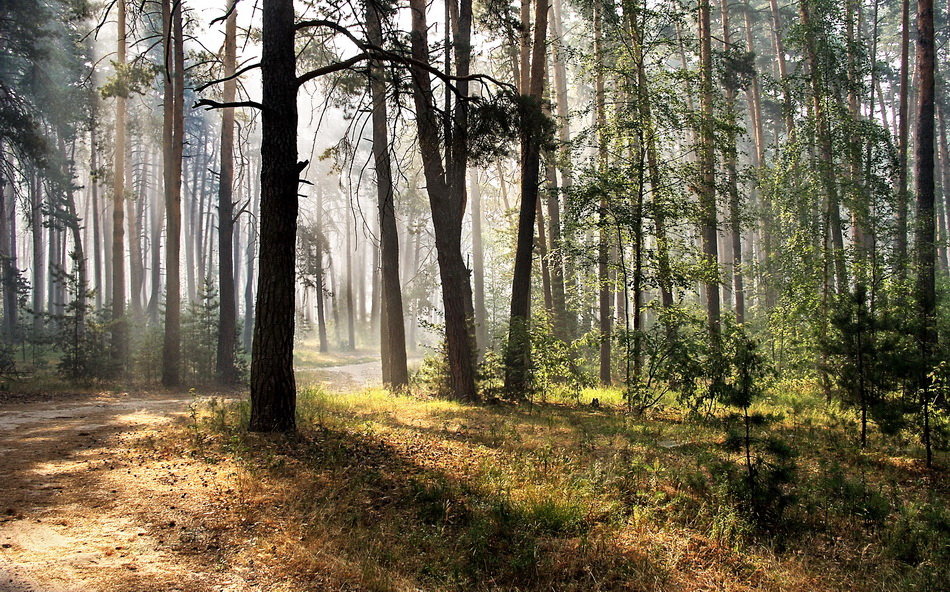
{"x":383,"y":492}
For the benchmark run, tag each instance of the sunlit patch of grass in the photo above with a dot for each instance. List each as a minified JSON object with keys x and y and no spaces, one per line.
{"x":308,"y":355}
{"x":397,"y":492}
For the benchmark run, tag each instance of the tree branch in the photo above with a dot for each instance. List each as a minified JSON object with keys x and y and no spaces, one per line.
{"x":216,"y":105}
{"x":330,"y":69}
{"x":226,"y":78}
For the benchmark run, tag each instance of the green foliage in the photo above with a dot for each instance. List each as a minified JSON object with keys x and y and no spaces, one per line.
{"x":129,"y":79}
{"x":82,"y":335}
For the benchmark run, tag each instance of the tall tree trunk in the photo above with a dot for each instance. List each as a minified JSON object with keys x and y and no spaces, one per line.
{"x":706,"y":184}
{"x":136,"y":261}
{"x":603,"y":248}
{"x":7,"y":265}
{"x":518,"y":351}
{"x":478,"y":264}
{"x":251,"y":256}
{"x":273,"y":387}
{"x":446,"y":189}
{"x":392,"y":325}
{"x":826,"y":160}
{"x":782,"y":67}
{"x":925,"y":232}
{"x":96,"y":225}
{"x":157,"y":219}
{"x":732,"y":180}
{"x":173,"y":140}
{"x":565,"y":168}
{"x":227,"y":310}
{"x":39,"y":265}
{"x":903,"y":126}
{"x":319,"y":280}
{"x":120,"y":329}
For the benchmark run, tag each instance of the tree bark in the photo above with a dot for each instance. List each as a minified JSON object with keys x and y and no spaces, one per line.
{"x":446,"y":189}
{"x":120,"y":329}
{"x":392,"y":324}
{"x":706,"y":186}
{"x":173,"y":141}
{"x":903,"y":126}
{"x":925,"y":232}
{"x":518,"y":351}
{"x":227,"y":310}
{"x":603,"y":249}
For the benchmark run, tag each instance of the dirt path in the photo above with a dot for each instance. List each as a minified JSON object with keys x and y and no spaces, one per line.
{"x":92,"y":499}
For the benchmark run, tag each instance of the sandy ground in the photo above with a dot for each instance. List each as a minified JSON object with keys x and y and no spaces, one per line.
{"x":88,"y":502}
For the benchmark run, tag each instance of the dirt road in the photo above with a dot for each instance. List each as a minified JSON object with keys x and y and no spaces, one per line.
{"x":92,"y":499}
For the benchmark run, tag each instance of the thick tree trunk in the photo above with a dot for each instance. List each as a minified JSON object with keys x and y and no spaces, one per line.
{"x":392,"y":324}
{"x":173,"y":140}
{"x":273,"y":387}
{"x":446,"y":189}
{"x":227,"y":311}
{"x":925,"y":232}
{"x":120,"y":329}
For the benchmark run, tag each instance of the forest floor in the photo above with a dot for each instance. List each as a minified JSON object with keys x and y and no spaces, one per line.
{"x":151,"y":490}
{"x":87,"y":504}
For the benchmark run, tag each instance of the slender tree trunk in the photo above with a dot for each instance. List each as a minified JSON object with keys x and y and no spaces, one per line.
{"x":903,"y":125}
{"x":564,"y":168}
{"x":319,"y":280}
{"x":518,"y":352}
{"x":7,"y":266}
{"x":249,"y":285}
{"x":96,"y":225}
{"x":706,"y":186}
{"x":732,"y":180}
{"x":826,"y":153}
{"x":478,"y":264}
{"x":782,"y":67}
{"x":925,"y":232}
{"x":227,"y":310}
{"x":273,"y":387}
{"x":603,"y":249}
{"x":136,"y":261}
{"x":39,"y":265}
{"x":120,"y":330}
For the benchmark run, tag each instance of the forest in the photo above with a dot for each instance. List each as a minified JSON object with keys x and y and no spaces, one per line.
{"x":474,"y":295}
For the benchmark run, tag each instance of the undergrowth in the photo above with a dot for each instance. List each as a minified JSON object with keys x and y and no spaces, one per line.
{"x":403,"y":493}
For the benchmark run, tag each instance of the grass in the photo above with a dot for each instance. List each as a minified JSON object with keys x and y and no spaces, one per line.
{"x":394,"y":492}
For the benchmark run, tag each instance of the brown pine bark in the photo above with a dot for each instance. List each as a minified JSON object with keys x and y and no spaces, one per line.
{"x":732,"y":180}
{"x":173,"y":144}
{"x":392,"y":324}
{"x":706,"y":183}
{"x":925,"y":244}
{"x":603,"y":248}
{"x":273,"y":387}
{"x":445,"y":186}
{"x":120,"y":329}
{"x":518,"y":350}
{"x":903,"y":127}
{"x":227,"y":309}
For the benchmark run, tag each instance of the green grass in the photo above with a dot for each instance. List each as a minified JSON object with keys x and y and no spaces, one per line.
{"x":395,"y":492}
